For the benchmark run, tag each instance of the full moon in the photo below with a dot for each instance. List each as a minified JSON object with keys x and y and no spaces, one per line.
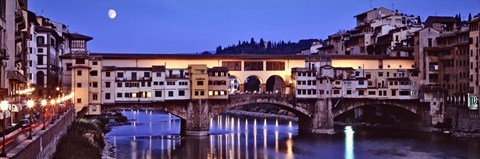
{"x":112,"y":14}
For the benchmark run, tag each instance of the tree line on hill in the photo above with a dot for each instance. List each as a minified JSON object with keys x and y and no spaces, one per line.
{"x":266,"y":47}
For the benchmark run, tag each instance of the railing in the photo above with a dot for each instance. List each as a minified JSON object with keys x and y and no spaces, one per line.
{"x":259,"y":95}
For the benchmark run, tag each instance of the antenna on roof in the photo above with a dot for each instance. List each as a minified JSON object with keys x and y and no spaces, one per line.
{"x":393,"y":8}
{"x":371,"y":4}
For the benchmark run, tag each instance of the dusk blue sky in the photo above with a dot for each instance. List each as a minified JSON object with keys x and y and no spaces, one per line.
{"x":189,"y":26}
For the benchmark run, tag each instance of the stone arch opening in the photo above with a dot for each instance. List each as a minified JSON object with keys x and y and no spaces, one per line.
{"x":253,"y":84}
{"x":234,"y":86}
{"x":384,"y":114}
{"x":303,"y":117}
{"x":275,"y":84}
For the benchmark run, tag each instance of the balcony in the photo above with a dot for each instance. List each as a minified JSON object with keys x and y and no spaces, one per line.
{"x":16,"y":76}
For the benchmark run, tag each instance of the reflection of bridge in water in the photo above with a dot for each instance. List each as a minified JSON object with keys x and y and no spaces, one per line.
{"x":314,"y":115}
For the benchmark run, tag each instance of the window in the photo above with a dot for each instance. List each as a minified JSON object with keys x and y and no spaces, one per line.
{"x":94,"y":63}
{"x":69,"y":66}
{"x":40,"y":40}
{"x":380,"y":74}
{"x":336,"y":91}
{"x":120,"y":74}
{"x":170,"y":93}
{"x":79,"y":85}
{"x":95,"y":96}
{"x":119,"y":84}
{"x":361,"y":92}
{"x":361,"y":82}
{"x":372,"y":93}
{"x":78,"y":43}
{"x":159,"y":74}
{"x":183,"y":83}
{"x":79,"y":72}
{"x":119,"y":95}
{"x":349,"y":92}
{"x":107,"y":84}
{"x":94,"y":84}
{"x":79,"y":100}
{"x":232,"y":65}
{"x":155,"y":83}
{"x":200,"y":83}
{"x":146,"y":74}
{"x":40,"y":60}
{"x":94,"y":73}
{"x":253,"y":65}
{"x":404,"y":93}
{"x":128,"y":95}
{"x":134,"y":76}
{"x":94,"y":108}
{"x":80,"y":61}
{"x":107,"y":74}
{"x":394,"y":92}
{"x":107,"y":95}
{"x":275,"y":66}
{"x":170,"y":83}
{"x":158,"y":93}
{"x":161,"y":83}
{"x":181,"y":93}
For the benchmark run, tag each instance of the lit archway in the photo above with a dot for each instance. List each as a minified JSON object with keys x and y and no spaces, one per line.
{"x":253,"y":84}
{"x":234,"y":86}
{"x":275,"y":84}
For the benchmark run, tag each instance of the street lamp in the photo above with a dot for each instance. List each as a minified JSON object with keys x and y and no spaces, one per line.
{"x":58,"y":107}
{"x":52,"y":105}
{"x":44,"y":104}
{"x":30,"y":106}
{"x":4,"y":107}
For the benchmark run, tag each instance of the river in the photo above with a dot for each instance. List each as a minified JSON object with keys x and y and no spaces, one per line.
{"x":156,"y":135}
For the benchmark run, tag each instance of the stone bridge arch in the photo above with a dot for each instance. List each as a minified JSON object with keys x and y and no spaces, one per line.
{"x":282,"y":101}
{"x":421,"y":109}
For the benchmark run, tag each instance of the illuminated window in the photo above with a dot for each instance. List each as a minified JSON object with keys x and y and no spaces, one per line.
{"x":275,"y":66}
{"x":210,"y":93}
{"x":232,"y":65}
{"x":253,"y":65}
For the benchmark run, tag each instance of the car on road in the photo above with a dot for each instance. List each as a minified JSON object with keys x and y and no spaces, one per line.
{"x":25,"y":123}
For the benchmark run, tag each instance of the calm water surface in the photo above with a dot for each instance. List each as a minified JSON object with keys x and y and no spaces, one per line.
{"x":155,"y":135}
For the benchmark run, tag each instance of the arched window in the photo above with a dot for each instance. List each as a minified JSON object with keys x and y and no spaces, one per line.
{"x":40,"y":79}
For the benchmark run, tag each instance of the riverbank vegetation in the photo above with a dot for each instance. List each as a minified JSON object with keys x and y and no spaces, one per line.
{"x":84,"y":140}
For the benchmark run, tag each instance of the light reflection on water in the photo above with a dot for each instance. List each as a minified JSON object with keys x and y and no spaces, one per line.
{"x":156,"y":135}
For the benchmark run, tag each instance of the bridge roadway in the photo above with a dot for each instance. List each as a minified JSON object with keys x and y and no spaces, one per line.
{"x":315,"y":115}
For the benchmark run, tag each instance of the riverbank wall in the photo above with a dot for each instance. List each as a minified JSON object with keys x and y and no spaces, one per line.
{"x":462,"y":121}
{"x":44,"y":143}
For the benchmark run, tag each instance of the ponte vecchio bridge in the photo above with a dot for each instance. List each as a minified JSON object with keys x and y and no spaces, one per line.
{"x":177,"y":84}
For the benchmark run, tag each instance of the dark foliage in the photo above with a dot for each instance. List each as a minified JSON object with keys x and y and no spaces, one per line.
{"x":266,"y":47}
{"x":74,"y":144}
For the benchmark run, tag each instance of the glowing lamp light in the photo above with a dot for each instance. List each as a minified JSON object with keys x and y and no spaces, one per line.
{"x":52,"y":102}
{"x":58,"y":101}
{"x":4,"y":105}
{"x":44,"y":103}
{"x":30,"y":103}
